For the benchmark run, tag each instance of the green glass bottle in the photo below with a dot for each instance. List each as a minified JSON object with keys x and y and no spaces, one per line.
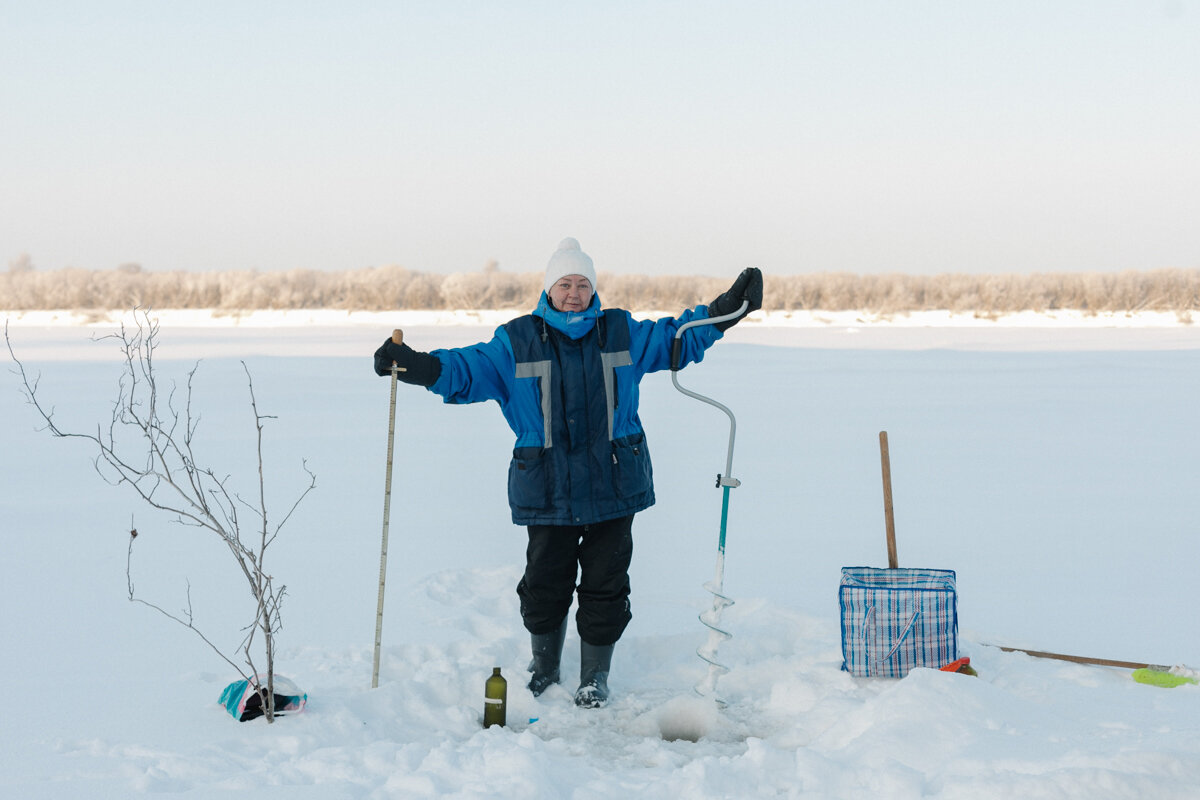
{"x":495,"y":698}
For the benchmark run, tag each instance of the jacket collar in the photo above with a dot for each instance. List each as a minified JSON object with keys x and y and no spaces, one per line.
{"x":573,"y":324}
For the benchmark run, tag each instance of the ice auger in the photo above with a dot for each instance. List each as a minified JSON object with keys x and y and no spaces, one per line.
{"x":711,"y":618}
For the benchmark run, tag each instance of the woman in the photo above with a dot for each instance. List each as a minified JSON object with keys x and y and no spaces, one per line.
{"x":566,"y":378}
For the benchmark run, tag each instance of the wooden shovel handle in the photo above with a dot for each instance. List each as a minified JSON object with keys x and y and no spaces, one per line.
{"x":888,"y":516}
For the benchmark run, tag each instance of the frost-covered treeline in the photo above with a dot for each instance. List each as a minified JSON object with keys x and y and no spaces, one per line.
{"x":391,"y":287}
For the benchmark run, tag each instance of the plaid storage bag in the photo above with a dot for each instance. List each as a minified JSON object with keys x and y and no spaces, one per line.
{"x":896,"y":619}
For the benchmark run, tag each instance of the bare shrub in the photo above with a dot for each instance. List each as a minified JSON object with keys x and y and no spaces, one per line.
{"x":21,"y":263}
{"x":658,"y":292}
{"x":459,"y":290}
{"x":394,"y":287}
{"x":148,"y":446}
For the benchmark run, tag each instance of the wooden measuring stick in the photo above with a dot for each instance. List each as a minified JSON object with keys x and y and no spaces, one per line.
{"x":398,"y":339}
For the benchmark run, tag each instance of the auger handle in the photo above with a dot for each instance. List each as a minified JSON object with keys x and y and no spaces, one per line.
{"x":677,"y":344}
{"x":727,"y":479}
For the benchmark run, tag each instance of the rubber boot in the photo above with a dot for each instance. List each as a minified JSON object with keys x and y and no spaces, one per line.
{"x":594,"y":663}
{"x":547,"y":653}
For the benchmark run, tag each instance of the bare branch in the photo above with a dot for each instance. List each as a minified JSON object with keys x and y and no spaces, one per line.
{"x":187,"y":623}
{"x":148,"y":445}
{"x":311,"y":485}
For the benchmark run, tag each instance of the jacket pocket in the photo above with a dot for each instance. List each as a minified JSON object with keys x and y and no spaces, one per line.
{"x":528,"y":479}
{"x":631,"y":465}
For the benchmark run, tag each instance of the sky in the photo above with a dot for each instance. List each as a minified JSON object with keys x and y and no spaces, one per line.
{"x":688,"y":137}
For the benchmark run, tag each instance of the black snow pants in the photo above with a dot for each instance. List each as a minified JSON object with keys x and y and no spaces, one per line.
{"x":602,"y":552}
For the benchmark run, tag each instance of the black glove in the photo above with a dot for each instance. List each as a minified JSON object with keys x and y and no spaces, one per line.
{"x":747,"y":287}
{"x":420,"y":369}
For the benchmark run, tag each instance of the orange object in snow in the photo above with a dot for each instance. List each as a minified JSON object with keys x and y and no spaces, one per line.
{"x":962,"y":665}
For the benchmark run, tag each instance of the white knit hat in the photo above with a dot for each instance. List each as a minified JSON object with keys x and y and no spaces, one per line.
{"x":568,"y":259}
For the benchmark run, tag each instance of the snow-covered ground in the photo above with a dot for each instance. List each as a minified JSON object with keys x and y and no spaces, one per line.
{"x":1052,"y":462}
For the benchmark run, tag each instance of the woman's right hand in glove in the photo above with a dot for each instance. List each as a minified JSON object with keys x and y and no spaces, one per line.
{"x":419,"y":369}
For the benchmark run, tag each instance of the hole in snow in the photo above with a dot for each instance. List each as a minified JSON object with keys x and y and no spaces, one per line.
{"x":687,"y":718}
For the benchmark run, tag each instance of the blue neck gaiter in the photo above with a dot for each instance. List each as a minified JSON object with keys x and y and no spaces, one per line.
{"x":575,"y":324}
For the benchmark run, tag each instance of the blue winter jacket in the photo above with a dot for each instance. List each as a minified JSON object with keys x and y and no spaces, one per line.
{"x":568,"y":385}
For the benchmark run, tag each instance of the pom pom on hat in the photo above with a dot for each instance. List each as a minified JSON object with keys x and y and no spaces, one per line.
{"x":569,"y":259}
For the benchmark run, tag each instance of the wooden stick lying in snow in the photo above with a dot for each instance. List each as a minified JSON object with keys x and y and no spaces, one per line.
{"x":1102,"y":662}
{"x":1150,"y":674}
